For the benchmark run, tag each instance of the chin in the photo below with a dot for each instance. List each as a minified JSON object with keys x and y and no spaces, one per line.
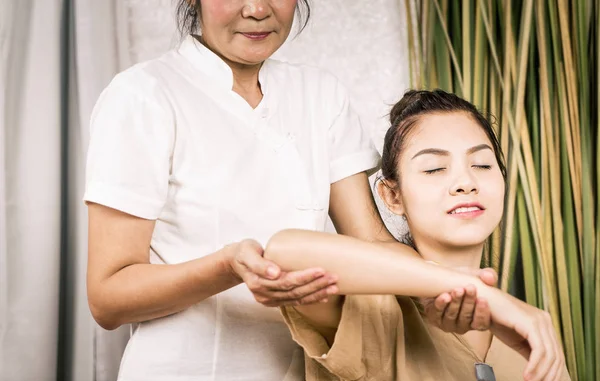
{"x":256,"y":55}
{"x":469,"y":238}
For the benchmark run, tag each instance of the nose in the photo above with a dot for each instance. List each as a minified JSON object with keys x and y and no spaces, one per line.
{"x":256,"y":9}
{"x":465,"y":183}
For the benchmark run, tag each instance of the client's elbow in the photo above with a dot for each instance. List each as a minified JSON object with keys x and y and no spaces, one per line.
{"x":283,"y":244}
{"x":276,"y":246}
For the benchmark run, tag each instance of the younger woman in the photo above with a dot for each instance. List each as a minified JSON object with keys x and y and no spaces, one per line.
{"x":443,"y":172}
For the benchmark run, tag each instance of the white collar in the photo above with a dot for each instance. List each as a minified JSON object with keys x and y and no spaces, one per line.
{"x":213,"y":66}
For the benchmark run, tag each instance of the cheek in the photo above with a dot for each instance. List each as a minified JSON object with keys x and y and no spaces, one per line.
{"x":284,"y":10}
{"x":217,"y":13}
{"x":286,"y":7}
{"x":420,"y":201}
{"x":495,"y":193}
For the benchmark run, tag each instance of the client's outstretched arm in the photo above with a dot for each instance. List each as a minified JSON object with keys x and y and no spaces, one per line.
{"x":363,"y":267}
{"x":369,"y":268}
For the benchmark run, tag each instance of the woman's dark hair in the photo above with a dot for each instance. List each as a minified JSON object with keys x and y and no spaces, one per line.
{"x":406,"y":113}
{"x":188,"y":15}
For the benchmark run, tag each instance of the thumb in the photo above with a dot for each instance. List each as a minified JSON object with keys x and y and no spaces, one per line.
{"x":487,"y":275}
{"x":251,"y":256}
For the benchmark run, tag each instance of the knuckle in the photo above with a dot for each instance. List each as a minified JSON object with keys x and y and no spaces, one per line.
{"x":307,"y":300}
{"x":289,"y":285}
{"x":546,"y":316}
{"x":254,"y":285}
{"x":295,"y":293}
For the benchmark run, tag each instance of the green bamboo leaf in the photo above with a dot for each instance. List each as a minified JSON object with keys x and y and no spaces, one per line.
{"x":569,"y":232}
{"x":582,"y":21}
{"x":444,"y":69}
{"x":527,"y":254}
{"x":442,"y":23}
{"x":412,"y":49}
{"x":480,"y":82}
{"x":596,"y":299}
{"x":467,"y":63}
{"x":573,"y":266}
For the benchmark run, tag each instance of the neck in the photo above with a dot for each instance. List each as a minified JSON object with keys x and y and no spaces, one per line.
{"x":245,"y":77}
{"x":456,"y":257}
{"x":463,"y":256}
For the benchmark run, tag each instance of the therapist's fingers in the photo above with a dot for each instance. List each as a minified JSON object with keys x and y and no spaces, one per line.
{"x":489,"y":276}
{"x":434,"y":308}
{"x":482,"y":319}
{"x":294,"y":288}
{"x":467,"y":310}
{"x":321,"y":295}
{"x":248,"y":256}
{"x":292,"y":280}
{"x":449,"y":320}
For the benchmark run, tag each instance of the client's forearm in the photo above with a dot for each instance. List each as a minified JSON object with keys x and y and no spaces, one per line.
{"x":363,"y":267}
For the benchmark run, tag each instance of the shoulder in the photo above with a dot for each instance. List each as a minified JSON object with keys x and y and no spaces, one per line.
{"x":140,"y":85}
{"x":305,"y":70}
{"x":143,"y":79}
{"x":303,"y":74}
{"x":313,"y":86}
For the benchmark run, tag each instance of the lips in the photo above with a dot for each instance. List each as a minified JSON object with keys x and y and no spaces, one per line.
{"x":466,"y":209}
{"x":256,"y":35}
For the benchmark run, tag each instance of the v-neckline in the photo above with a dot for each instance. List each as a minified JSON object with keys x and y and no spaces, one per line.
{"x":465,"y":343}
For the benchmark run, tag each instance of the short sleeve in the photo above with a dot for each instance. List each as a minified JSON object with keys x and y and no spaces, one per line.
{"x":364,"y":342}
{"x":130,"y":149}
{"x":350,"y":145}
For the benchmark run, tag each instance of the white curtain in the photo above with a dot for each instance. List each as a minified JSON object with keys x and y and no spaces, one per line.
{"x":31,"y":186}
{"x":56,"y":57}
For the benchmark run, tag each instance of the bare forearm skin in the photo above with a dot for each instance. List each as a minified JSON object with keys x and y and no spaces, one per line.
{"x":141,"y":292}
{"x":363,"y":267}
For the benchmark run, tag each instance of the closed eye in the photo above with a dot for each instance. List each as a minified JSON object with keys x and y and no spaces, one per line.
{"x":482,"y":166}
{"x":432,"y":171}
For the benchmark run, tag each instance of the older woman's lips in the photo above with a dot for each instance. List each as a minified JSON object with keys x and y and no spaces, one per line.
{"x":257,"y":36}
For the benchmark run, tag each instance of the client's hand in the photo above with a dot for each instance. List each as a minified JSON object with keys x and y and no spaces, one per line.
{"x":273,"y":287}
{"x":528,"y":331}
{"x":461,"y":310}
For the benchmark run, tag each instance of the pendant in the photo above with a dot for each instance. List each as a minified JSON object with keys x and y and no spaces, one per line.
{"x":484,"y":372}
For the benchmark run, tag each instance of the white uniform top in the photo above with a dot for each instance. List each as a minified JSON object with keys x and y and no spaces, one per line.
{"x":171,"y":141}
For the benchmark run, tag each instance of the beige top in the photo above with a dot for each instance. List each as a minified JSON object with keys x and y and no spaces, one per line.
{"x":383,"y":337}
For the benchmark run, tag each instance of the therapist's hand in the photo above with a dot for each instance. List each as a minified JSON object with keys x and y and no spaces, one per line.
{"x":273,"y":287}
{"x":460,"y":310}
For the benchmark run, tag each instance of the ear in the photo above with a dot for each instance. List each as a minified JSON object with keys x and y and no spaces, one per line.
{"x":388,"y":191}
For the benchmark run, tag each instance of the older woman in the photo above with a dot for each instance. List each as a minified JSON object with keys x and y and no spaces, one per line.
{"x":196,"y":159}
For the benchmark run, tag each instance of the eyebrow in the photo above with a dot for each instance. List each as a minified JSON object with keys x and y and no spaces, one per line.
{"x":441,"y":152}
